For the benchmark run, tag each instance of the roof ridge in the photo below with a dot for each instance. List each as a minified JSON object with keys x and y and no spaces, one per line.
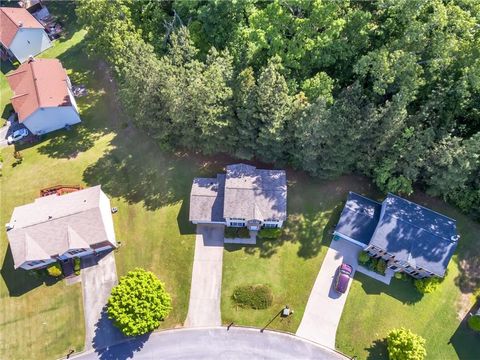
{"x":60,"y":217}
{"x":37,"y":95}
{"x":353,"y":192}
{"x":18,"y":96}
{"x":413,"y":203}
{"x":16,"y":72}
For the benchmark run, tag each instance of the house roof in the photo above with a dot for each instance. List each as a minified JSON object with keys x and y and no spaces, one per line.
{"x":252,"y":193}
{"x":206,"y":199}
{"x":13,"y":19}
{"x":38,"y":84}
{"x":359,"y":218}
{"x":54,"y":224}
{"x":416,"y":235}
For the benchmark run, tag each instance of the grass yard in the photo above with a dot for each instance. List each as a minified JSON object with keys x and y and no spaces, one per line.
{"x":437,"y":317}
{"x":288,"y":265}
{"x":38,"y":320}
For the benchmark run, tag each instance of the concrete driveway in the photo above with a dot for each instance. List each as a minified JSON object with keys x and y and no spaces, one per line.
{"x":324,"y":308}
{"x":205,"y":290}
{"x":97,"y":282}
{"x":216,"y":343}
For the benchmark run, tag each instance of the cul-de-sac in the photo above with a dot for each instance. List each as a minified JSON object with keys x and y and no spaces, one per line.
{"x":245,"y":179}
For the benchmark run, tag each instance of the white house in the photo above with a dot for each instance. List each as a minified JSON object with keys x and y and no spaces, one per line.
{"x":244,"y":196}
{"x":43,"y":98}
{"x":21,"y":35}
{"x":59,"y":227}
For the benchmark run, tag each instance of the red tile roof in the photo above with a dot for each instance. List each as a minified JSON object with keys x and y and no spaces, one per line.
{"x":37,"y":84}
{"x":11,"y":19}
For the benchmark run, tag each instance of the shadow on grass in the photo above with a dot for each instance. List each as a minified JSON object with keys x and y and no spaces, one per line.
{"x":110,"y":343}
{"x":465,"y":341}
{"x":21,"y":281}
{"x":307,"y":229}
{"x":6,"y":66}
{"x":7,"y":111}
{"x":402,"y":290}
{"x":378,"y":350}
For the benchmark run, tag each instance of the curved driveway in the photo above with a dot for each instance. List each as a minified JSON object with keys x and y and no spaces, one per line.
{"x":216,"y":343}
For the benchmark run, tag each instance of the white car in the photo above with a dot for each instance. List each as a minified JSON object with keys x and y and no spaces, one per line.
{"x":17,"y":135}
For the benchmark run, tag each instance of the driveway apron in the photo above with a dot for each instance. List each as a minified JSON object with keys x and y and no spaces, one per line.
{"x":324,"y":308}
{"x":204,"y":305}
{"x":97,"y":283}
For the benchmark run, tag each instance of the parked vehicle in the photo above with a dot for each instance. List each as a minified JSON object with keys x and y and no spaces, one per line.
{"x":17,"y":135}
{"x":343,"y":277}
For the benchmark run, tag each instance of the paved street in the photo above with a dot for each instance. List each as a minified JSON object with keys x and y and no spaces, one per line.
{"x":325,"y":305}
{"x":216,"y":343}
{"x":97,"y":282}
{"x":205,"y":291}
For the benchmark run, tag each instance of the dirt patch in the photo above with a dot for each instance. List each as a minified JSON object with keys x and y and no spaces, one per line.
{"x":463,"y":305}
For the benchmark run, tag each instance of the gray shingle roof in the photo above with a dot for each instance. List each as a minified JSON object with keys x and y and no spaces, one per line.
{"x":359,"y":218}
{"x":415,"y":234}
{"x":244,"y":192}
{"x":54,"y":224}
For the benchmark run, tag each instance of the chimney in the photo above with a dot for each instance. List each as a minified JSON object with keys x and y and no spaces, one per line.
{"x":31,"y":59}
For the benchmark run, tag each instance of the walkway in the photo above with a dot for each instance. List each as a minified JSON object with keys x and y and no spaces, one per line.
{"x":97,"y":282}
{"x":216,"y":343}
{"x":324,"y":308}
{"x":205,"y":291}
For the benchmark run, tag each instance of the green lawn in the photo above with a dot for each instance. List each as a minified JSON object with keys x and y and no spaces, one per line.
{"x":39,"y":321}
{"x":437,"y":317}
{"x":289,"y":266}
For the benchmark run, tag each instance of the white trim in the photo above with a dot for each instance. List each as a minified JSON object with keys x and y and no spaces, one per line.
{"x":375,"y":201}
{"x":350,"y":239}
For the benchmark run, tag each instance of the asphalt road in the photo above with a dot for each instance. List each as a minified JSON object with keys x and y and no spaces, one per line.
{"x":215,"y":343}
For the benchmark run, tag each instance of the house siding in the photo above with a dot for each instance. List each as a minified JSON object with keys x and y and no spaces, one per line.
{"x":29,"y":42}
{"x":46,"y":120}
{"x":106,"y":212}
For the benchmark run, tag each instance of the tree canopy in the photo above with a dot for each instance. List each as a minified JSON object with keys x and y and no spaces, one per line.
{"x":390,"y":89}
{"x":138,"y":303}
{"x":402,"y":344}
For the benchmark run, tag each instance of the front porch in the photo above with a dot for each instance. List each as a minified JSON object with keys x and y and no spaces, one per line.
{"x":252,"y":240}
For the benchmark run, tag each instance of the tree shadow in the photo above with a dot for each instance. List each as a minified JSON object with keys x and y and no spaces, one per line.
{"x":183,"y":221}
{"x":110,"y":343}
{"x":465,"y":341}
{"x":469,"y":269}
{"x":378,"y":350}
{"x":402,"y":290}
{"x":21,"y":281}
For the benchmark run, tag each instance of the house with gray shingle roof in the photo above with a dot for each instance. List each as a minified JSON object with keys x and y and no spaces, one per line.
{"x":244,"y":196}
{"x":410,"y":237}
{"x":59,"y":227}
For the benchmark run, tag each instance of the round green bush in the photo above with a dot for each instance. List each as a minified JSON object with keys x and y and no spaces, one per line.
{"x":253,"y":296}
{"x":55,"y":270}
{"x":428,"y":285}
{"x":381,"y":266}
{"x":402,"y":344}
{"x":363,"y":257}
{"x":138,"y":303}
{"x":474,"y":322}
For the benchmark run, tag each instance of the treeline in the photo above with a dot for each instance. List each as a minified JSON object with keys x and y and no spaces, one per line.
{"x":390,"y":89}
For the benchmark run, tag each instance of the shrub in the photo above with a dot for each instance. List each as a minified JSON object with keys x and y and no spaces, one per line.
{"x":138,"y":303}
{"x":269,"y":233}
{"x":76,"y":265}
{"x":381,"y":266}
{"x":428,"y":285}
{"x":372,"y":265}
{"x":237,"y":232}
{"x":363,"y":257}
{"x":400,"y":276}
{"x":55,"y":270}
{"x":253,"y":296}
{"x":474,"y":322}
{"x":402,"y":344}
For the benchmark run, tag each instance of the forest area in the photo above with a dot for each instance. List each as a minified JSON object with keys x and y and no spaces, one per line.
{"x":388,"y":88}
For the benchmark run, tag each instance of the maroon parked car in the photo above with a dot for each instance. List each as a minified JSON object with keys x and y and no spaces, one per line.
{"x":343,"y":277}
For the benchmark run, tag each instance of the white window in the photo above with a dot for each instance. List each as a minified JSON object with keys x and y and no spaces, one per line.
{"x":270,"y":226}
{"x":237,"y":224}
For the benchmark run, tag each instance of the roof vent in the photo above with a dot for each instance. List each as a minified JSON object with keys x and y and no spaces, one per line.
{"x":50,"y":217}
{"x":31,"y":59}
{"x":9,"y":226}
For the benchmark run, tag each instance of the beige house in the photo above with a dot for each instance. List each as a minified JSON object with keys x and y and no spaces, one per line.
{"x":58,"y":227}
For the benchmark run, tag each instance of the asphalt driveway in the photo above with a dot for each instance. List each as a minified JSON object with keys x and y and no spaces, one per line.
{"x":324,"y":308}
{"x":216,"y":343}
{"x":204,"y":305}
{"x":97,"y":282}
